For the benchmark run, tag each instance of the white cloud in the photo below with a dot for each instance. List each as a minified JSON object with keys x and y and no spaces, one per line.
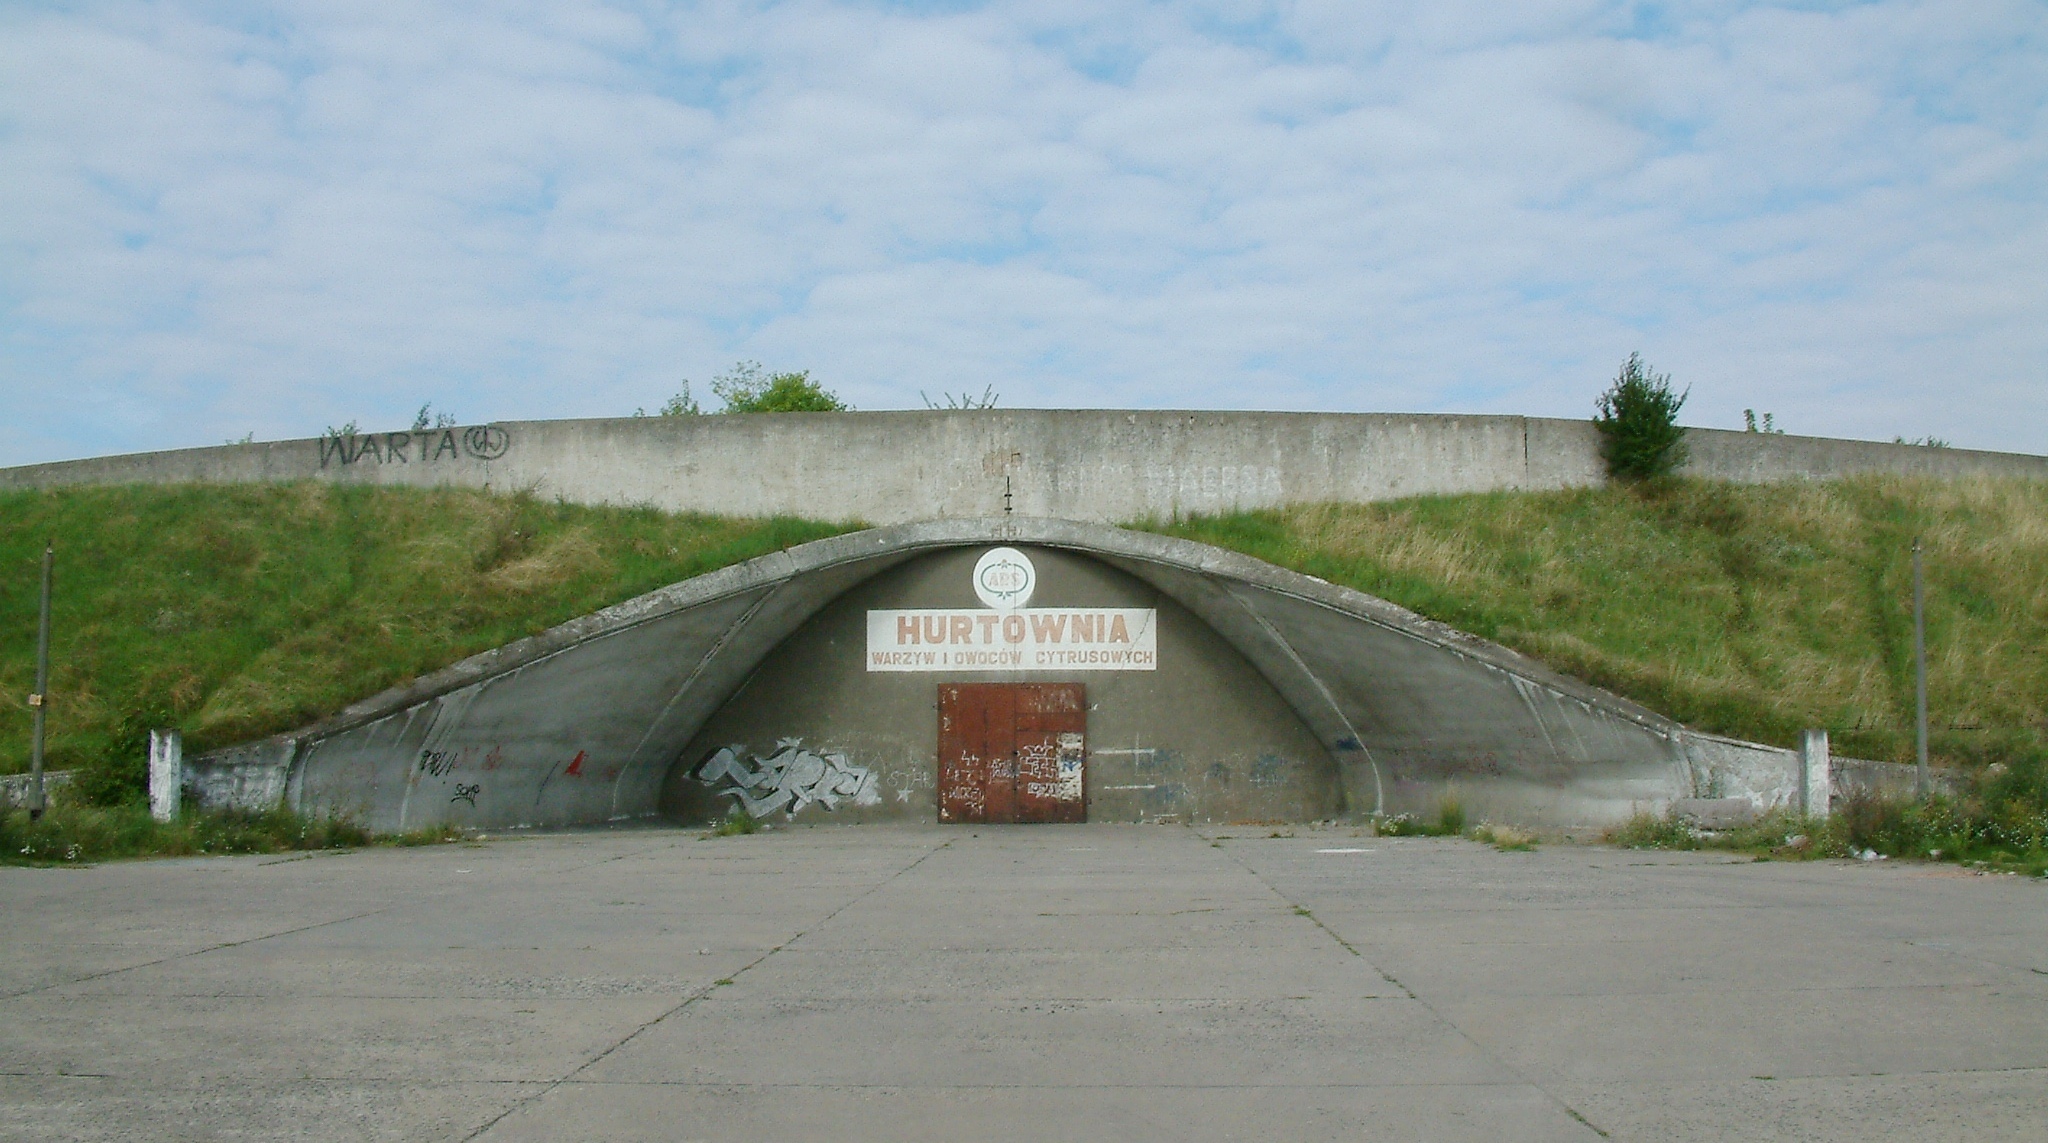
{"x":216,"y":219}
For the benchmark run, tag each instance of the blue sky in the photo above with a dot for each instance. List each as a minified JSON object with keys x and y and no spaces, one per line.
{"x":219,"y":219}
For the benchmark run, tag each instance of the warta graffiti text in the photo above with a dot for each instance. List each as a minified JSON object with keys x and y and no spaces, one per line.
{"x":432,"y":446}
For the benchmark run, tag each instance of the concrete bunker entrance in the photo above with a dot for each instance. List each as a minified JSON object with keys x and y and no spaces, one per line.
{"x":806,"y":684}
{"x":987,"y":683}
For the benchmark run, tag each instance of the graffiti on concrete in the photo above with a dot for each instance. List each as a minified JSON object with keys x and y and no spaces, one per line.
{"x":790,"y":779}
{"x":441,"y":763}
{"x":431,"y":446}
{"x":1071,"y":757}
{"x":467,"y":793}
{"x":486,"y":442}
{"x":909,"y":779}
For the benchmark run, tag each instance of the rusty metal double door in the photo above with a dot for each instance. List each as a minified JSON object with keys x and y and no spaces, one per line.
{"x":1013,"y":752}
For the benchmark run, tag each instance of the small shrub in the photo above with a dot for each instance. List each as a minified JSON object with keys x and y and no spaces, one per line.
{"x":1640,"y":438}
{"x":119,"y":775}
{"x":1893,"y":827}
{"x":747,"y":388}
{"x":428,"y":418}
{"x":682,"y":404}
{"x":736,"y":823}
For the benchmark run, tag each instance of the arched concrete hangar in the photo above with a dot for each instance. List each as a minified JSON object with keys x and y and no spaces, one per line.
{"x":1006,"y":669}
{"x":1260,"y":694}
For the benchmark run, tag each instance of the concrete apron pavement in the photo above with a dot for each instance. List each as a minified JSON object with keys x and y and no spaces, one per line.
{"x":1036,"y":982}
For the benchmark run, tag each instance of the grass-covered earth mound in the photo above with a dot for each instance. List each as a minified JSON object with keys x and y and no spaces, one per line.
{"x":1754,"y":611}
{"x":235,"y":611}
{"x":231,"y":612}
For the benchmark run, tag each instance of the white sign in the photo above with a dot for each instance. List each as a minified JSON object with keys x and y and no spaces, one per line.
{"x":1004,"y":578}
{"x":1026,"y":639}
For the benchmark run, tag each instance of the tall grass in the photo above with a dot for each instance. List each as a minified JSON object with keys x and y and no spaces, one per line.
{"x":1450,"y":821}
{"x":234,"y":611}
{"x":1749,"y":610}
{"x":2000,"y":821}
{"x":70,"y":834}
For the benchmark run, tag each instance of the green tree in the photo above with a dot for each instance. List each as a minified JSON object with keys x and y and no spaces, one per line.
{"x":746,"y":388}
{"x":1638,"y":421}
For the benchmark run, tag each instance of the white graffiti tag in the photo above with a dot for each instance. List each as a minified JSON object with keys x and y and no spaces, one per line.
{"x":792,"y":778}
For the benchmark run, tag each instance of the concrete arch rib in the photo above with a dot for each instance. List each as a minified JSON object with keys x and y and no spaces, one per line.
{"x":580,"y":724}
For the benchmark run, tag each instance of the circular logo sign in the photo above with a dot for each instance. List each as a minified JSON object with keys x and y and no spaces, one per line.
{"x":1004,"y":577}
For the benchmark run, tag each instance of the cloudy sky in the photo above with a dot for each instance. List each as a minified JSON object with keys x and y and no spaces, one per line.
{"x":221,"y":218}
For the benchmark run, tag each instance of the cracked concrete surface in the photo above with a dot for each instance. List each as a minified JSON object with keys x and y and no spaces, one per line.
{"x":1055,"y":982}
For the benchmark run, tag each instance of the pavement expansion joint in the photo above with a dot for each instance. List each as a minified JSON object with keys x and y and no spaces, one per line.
{"x":1467,"y":1037}
{"x":192,"y":953}
{"x":796,"y":1085}
{"x":1907,"y":1073}
{"x":701,"y":993}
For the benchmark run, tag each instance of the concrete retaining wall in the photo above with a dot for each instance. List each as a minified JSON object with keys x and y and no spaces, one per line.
{"x":15,"y":788}
{"x":1854,"y":776}
{"x":252,"y":776}
{"x":1766,"y":778}
{"x":1095,"y":465}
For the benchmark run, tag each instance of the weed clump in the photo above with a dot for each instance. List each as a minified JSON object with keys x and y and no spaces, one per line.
{"x":1450,"y":816}
{"x":1506,"y":838}
{"x":1399,"y":825}
{"x":1450,"y":822}
{"x":1646,"y":830}
{"x":735,"y":824}
{"x":2000,"y":823}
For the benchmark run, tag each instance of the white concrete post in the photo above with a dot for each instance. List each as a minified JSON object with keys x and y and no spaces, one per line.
{"x":166,"y":774}
{"x":1816,"y":780}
